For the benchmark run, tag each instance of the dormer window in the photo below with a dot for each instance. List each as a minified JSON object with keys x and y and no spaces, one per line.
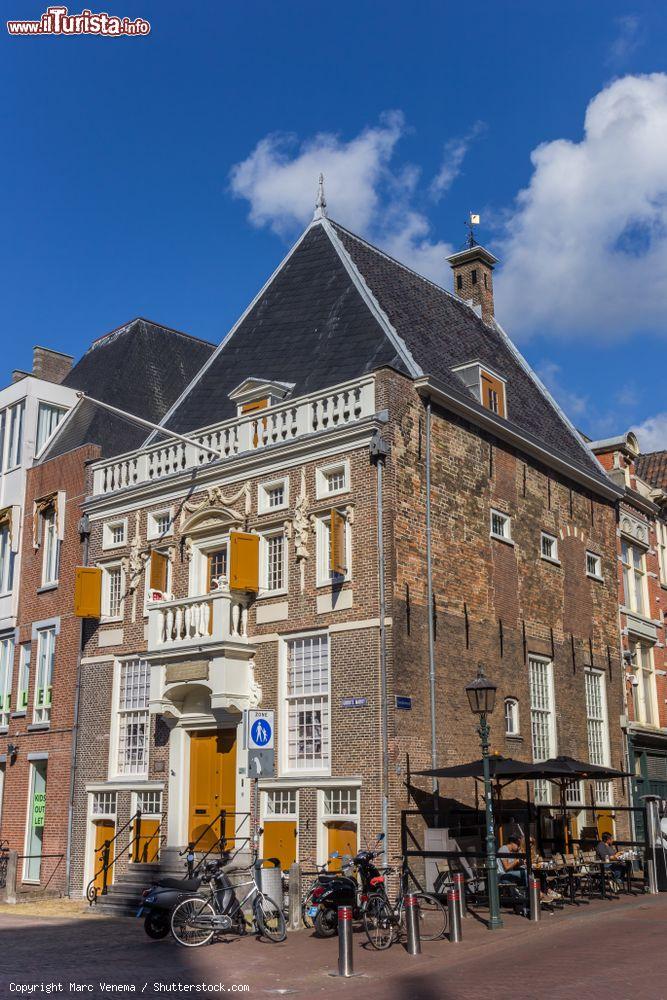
{"x":487,"y":386}
{"x":255,"y":394}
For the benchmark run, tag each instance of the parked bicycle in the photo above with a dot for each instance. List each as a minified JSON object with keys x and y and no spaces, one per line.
{"x":196,"y":919}
{"x":384,"y":921}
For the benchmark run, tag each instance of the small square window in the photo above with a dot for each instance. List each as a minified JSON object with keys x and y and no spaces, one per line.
{"x":114,"y":534}
{"x":332,"y":480}
{"x":549,"y":547}
{"x":273,"y":496}
{"x":160,"y":524}
{"x":501,"y":526}
{"x":511,"y":717}
{"x":593,"y":565}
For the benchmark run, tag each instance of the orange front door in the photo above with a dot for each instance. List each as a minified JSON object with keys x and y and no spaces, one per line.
{"x":212,"y":785}
{"x":147,"y":844}
{"x":104,"y":830}
{"x":341,"y":838}
{"x":279,"y":841}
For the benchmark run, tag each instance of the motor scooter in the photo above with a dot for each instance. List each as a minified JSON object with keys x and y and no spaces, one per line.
{"x":342,"y":889}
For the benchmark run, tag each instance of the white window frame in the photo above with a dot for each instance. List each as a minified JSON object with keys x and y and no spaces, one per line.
{"x":13,"y":435}
{"x":661,"y":546}
{"x":201,"y":549}
{"x":635,"y":591}
{"x":511,"y":707}
{"x":153,"y":532}
{"x":546,"y":536}
{"x":107,"y":569}
{"x":286,"y":767}
{"x":597,"y":574}
{"x":322,"y":529}
{"x":291,"y":816}
{"x":6,"y":677}
{"x":507,"y":523}
{"x":264,"y":542}
{"x":264,"y":491}
{"x":324,"y":818}
{"x":108,"y":532}
{"x":322,"y":474}
{"x":7,"y":559}
{"x":645,"y":688}
{"x":50,"y":547}
{"x":23,"y":685}
{"x":53,"y":410}
{"x":148,"y":813}
{"x":542,"y":788}
{"x":118,"y":770}
{"x":147,"y":580}
{"x":44,"y":670}
{"x":597,"y":730}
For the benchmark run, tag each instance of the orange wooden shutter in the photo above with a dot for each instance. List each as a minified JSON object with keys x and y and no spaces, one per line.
{"x":158,"y":573}
{"x":257,"y":404}
{"x":243,"y":561}
{"x":337,"y":554}
{"x":88,"y":592}
{"x":493,"y":385}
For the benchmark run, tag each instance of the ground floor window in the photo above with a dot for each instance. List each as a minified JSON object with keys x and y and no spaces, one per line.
{"x":147,"y":833}
{"x":32,"y":863}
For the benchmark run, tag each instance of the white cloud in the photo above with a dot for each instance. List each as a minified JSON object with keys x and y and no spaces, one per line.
{"x":452,"y":160}
{"x":364,"y":189}
{"x":652,"y":433}
{"x":586,"y":245}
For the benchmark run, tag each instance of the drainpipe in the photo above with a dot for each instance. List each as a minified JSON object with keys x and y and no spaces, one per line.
{"x":84,"y":532}
{"x":429,"y":587}
{"x":379,"y":450}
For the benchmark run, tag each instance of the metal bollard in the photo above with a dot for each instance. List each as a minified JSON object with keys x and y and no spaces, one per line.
{"x":411,"y":906}
{"x":345,"y":963}
{"x":460,"y":884}
{"x":534,"y":892}
{"x":453,"y":906}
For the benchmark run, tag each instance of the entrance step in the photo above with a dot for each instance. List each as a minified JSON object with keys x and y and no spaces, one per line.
{"x":124,"y":895}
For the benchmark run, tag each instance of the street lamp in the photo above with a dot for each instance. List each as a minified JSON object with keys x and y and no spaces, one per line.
{"x":482,"y":697}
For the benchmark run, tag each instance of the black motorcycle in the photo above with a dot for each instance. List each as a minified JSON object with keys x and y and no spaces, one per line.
{"x":159,"y":900}
{"x":343,"y":889}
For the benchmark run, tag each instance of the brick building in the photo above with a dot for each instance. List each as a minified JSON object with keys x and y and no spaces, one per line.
{"x":286,"y":553}
{"x":143,"y":367}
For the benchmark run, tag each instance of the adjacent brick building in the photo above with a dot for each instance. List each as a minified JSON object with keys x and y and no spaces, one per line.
{"x":140,"y":364}
{"x":285,"y":553}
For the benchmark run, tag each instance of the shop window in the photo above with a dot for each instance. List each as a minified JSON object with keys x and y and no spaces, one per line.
{"x":32,"y":863}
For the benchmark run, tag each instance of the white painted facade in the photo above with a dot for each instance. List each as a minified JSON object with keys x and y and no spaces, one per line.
{"x":19,"y":422}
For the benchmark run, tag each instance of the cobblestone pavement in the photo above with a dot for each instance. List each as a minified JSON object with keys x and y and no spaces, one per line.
{"x":611,"y":950}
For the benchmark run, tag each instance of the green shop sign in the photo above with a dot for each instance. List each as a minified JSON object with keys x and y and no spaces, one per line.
{"x":38,"y":808}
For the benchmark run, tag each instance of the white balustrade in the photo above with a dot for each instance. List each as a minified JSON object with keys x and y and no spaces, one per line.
{"x":196,"y":621}
{"x":321,"y":411}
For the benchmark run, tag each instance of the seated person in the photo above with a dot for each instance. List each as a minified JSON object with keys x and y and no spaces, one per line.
{"x":607,"y":851}
{"x":510,"y":868}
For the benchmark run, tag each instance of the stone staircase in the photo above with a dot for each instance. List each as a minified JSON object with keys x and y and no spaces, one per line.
{"x":124,"y":896}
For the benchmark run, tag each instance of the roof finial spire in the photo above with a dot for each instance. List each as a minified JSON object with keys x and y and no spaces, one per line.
{"x":473,"y":220}
{"x":321,"y":202}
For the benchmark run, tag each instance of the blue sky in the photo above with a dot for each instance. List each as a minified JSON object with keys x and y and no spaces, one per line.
{"x":166,"y":176}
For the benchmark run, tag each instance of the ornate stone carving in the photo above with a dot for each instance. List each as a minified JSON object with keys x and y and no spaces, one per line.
{"x":214,"y":497}
{"x":254,"y":687}
{"x":302,"y":521}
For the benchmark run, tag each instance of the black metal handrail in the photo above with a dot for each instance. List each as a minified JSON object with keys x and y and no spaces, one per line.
{"x":108,"y":861}
{"x":156,"y":835}
{"x":219,"y":844}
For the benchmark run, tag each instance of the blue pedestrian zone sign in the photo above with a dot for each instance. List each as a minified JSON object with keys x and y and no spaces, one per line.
{"x":260,"y":730}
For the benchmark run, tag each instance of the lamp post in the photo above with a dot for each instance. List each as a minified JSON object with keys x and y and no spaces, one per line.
{"x":482,"y":697}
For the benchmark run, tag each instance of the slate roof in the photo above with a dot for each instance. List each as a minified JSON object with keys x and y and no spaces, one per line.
{"x":652,"y":468}
{"x":141,"y":367}
{"x":315,"y":324}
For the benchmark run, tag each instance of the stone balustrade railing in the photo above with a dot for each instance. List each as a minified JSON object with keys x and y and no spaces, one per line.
{"x":196,"y":621}
{"x":334,"y":407}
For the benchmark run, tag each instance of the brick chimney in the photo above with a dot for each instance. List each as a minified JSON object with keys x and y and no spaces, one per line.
{"x":473,"y":278}
{"x":52,"y":366}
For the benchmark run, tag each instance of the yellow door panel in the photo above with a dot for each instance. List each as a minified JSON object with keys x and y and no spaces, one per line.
{"x":147,"y":846}
{"x":280,"y":841}
{"x":105,"y":829}
{"x":341,"y":837}
{"x":212,"y":784}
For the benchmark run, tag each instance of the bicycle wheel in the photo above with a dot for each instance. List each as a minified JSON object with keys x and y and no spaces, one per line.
{"x":379,"y":922}
{"x":192,"y":922}
{"x":269,"y":919}
{"x":433,"y":917}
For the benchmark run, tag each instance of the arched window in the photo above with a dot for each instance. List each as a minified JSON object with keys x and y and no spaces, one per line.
{"x":511,"y":717}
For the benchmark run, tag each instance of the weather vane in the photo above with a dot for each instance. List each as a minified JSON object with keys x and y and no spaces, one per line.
{"x":473,"y":220}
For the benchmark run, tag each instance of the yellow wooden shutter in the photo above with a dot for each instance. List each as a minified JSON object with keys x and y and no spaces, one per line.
{"x":158,"y":571}
{"x":88,"y":592}
{"x":243,"y":561}
{"x":337,"y":554}
{"x":493,"y":388}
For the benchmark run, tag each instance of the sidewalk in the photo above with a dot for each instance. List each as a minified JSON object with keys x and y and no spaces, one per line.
{"x":612,"y":950}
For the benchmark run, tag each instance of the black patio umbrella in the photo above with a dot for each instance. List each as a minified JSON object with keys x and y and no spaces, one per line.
{"x":499,"y":767}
